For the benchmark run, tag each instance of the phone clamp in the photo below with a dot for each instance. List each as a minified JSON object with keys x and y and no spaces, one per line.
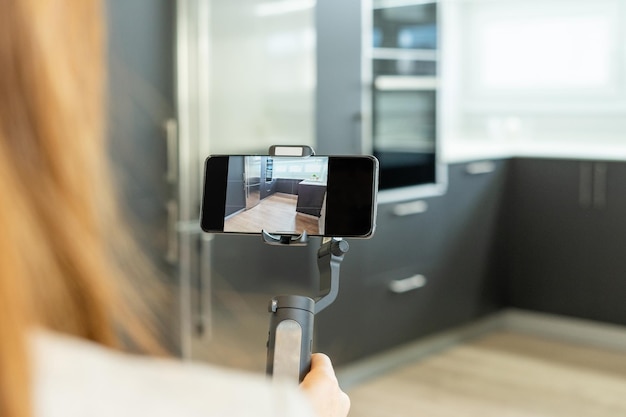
{"x":291,"y":150}
{"x":302,"y":151}
{"x":291,"y":240}
{"x":290,"y":340}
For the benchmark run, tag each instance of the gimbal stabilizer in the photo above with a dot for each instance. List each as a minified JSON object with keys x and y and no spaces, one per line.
{"x":290,"y":341}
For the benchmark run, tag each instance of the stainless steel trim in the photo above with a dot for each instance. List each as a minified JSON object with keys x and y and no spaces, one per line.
{"x":401,"y":286}
{"x":367,"y":22}
{"x":192,"y":83}
{"x":184,"y":19}
{"x":204,"y":317}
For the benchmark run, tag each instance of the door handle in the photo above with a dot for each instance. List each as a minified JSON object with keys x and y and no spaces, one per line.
{"x":171,"y":137}
{"x":171,"y":252}
{"x":401,"y":286}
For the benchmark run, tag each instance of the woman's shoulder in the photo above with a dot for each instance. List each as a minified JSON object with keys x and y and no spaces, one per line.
{"x":73,"y":377}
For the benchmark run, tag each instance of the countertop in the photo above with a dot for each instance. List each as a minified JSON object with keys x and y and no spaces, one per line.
{"x":312,"y":182}
{"x":471,"y":150}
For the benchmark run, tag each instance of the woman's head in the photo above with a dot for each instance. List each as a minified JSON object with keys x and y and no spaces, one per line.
{"x":55,"y":197}
{"x":51,"y":148}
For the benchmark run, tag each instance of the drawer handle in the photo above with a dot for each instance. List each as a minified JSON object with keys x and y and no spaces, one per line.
{"x":413,"y":207}
{"x":401,"y":286}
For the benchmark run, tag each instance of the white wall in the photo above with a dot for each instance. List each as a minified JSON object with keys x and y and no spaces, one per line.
{"x":534,"y":76}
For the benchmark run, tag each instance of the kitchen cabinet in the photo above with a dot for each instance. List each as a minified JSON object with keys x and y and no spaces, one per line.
{"x":268,"y":188}
{"x":535,"y":234}
{"x":567,"y":233}
{"x":311,"y":196}
{"x":427,"y":268}
{"x":377,"y":91}
{"x":287,"y":185}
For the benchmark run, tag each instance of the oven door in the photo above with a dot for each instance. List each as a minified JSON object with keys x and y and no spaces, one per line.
{"x":405,"y":131}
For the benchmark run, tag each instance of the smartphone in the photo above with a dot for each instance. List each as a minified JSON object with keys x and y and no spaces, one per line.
{"x":332,"y":196}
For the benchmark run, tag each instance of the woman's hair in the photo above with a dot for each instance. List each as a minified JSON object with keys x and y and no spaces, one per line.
{"x":57,"y":269}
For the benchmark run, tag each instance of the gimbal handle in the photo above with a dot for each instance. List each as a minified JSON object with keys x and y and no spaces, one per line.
{"x":290,"y":341}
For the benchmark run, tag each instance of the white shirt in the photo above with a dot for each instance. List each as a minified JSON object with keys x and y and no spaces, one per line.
{"x":76,"y":378}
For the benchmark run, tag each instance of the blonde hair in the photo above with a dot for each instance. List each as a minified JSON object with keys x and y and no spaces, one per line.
{"x":56,"y":270}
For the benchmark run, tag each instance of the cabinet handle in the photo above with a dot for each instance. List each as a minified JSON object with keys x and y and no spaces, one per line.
{"x":480,"y":167}
{"x":401,"y":286}
{"x":599,"y":185}
{"x":592,"y":185}
{"x":171,"y":137}
{"x":414,"y":207}
{"x":585,"y":184}
{"x":171,"y":253}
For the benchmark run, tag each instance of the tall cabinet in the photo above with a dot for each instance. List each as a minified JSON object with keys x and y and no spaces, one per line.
{"x":377,"y":90}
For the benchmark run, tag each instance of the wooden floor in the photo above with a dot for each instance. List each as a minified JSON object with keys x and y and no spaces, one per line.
{"x":276,"y":213}
{"x":502,"y":374}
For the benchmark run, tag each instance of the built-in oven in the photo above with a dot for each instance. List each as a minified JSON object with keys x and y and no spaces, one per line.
{"x":269,"y":169}
{"x":404,"y":93}
{"x":404,"y":131}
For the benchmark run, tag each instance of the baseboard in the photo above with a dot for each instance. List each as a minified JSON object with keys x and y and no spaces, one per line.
{"x":359,"y":371}
{"x":574,"y":330}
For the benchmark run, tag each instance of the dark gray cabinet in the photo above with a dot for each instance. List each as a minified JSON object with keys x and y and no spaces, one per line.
{"x":287,"y":186}
{"x":267,"y":188}
{"x":310,"y":198}
{"x":445,"y":253}
{"x":567,"y":236}
{"x":538,"y":234}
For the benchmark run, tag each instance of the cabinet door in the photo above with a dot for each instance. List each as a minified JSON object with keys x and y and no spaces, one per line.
{"x":368,"y":316}
{"x":567,"y":232}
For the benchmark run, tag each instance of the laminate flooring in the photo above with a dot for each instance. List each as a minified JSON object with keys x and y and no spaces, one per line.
{"x":501,"y":374}
{"x":276,"y":213}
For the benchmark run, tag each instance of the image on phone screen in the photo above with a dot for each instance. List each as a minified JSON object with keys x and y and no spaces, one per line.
{"x":319,"y":195}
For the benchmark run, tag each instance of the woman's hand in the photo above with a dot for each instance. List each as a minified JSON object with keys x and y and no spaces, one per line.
{"x":321,"y":387}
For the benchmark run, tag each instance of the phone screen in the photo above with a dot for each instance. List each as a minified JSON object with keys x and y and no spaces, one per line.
{"x":331,"y":196}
